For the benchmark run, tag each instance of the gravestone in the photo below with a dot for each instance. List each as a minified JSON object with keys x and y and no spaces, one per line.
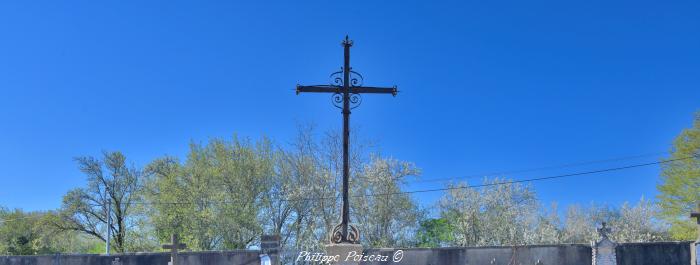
{"x":604,"y":249}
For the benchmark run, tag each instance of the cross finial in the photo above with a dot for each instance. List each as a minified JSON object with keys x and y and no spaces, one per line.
{"x":347,"y":41}
{"x":604,"y":230}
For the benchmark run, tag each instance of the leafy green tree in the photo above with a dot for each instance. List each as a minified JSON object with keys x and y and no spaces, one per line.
{"x":434,"y":232}
{"x":30,"y":233}
{"x":680,"y":183}
{"x":17,"y":232}
{"x":110,"y":181}
{"x":213,"y":199}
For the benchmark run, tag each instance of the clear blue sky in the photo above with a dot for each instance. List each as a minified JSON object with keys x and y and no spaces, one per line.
{"x":485,"y":85}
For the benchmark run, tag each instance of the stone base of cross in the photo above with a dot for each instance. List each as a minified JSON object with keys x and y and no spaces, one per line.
{"x":345,"y":252}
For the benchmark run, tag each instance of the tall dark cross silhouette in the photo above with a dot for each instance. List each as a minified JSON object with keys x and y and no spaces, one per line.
{"x":346,"y":87}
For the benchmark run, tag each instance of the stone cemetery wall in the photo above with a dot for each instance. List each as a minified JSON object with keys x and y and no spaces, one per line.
{"x":573,"y":254}
{"x":243,"y":257}
{"x":666,"y":253}
{"x":670,"y":253}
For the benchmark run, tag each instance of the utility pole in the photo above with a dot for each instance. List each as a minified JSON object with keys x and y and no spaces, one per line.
{"x":109,"y":219}
{"x":696,"y":215}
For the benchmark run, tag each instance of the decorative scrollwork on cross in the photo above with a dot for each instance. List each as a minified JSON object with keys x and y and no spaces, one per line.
{"x":337,"y":78}
{"x":353,"y":234}
{"x":355,"y":100}
{"x":337,"y":99}
{"x":355,"y":80}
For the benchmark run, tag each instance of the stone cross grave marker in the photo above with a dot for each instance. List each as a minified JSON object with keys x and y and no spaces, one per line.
{"x":270,"y":245}
{"x":604,"y":230}
{"x":174,"y":246}
{"x":696,"y":215}
{"x":604,"y":249}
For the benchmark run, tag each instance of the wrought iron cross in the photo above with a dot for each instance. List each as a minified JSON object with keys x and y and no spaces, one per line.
{"x":696,"y":215}
{"x":174,"y":246}
{"x":346,"y":87}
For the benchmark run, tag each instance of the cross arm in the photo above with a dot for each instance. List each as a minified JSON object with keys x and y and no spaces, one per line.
{"x":696,"y":214}
{"x":374,"y":90}
{"x":319,"y":89}
{"x":171,"y":246}
{"x":354,"y":90}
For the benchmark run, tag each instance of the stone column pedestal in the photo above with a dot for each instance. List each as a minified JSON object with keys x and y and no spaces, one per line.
{"x":604,"y":252}
{"x":604,"y":249}
{"x":345,"y":253}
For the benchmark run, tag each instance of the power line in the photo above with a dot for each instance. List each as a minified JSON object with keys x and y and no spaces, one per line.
{"x":541,"y":178}
{"x":501,"y":173}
